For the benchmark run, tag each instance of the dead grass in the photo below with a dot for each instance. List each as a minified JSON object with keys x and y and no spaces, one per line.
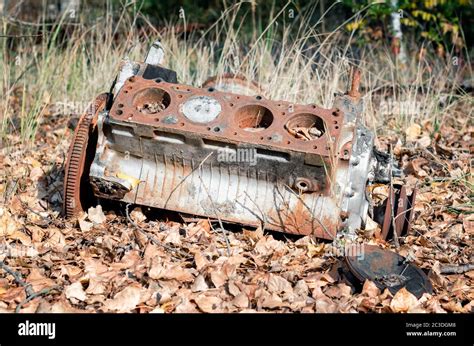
{"x":50,"y":75}
{"x":311,"y":68}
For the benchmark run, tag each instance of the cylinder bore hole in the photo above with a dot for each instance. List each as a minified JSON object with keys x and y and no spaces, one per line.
{"x":254,"y":118}
{"x":305,"y":126}
{"x":151,"y":100}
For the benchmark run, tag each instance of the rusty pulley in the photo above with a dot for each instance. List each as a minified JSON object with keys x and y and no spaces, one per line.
{"x":386,"y":269}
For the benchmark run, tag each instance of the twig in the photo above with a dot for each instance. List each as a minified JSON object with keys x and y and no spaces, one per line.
{"x":30,"y":293}
{"x":392,"y":203}
{"x":456,"y":269}
{"x":217,"y":215}
{"x":186,"y":177}
{"x":18,"y":279}
{"x":33,"y":296}
{"x":150,"y":237}
{"x":45,"y":218}
{"x":19,"y":36}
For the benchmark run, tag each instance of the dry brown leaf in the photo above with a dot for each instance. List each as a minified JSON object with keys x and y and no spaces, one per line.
{"x":63,"y":306}
{"x":8,"y":225}
{"x":75,"y":291}
{"x":218,"y":278}
{"x":200,"y":260}
{"x":173,"y":237}
{"x":126,"y":300}
{"x":241,"y":301}
{"x":208,"y":303}
{"x":85,"y":226}
{"x":301,"y":288}
{"x":137,"y":215}
{"x":271,"y":301}
{"x":403,"y":301}
{"x":38,"y":281}
{"x":186,"y":307}
{"x":199,"y":284}
{"x":413,"y":132}
{"x":370,"y":289}
{"x":233,"y":289}
{"x":161,"y":270}
{"x":96,"y":215}
{"x":277,"y":284}
{"x":325,"y":305}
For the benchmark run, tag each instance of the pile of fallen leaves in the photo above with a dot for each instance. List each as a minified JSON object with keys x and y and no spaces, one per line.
{"x":106,"y":261}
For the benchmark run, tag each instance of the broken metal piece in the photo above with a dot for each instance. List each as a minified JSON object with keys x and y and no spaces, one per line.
{"x":233,"y":83}
{"x":386,"y":269}
{"x":77,"y":191}
{"x":396,"y":213}
{"x":214,"y":153}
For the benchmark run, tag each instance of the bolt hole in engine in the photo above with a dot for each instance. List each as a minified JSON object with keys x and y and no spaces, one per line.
{"x":151,"y":100}
{"x":254,"y":118}
{"x":305,"y":126}
{"x":302,"y":184}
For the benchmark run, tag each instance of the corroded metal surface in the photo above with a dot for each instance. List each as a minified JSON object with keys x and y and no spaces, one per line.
{"x":398,"y":211}
{"x":161,"y":146}
{"x":212,"y":152}
{"x":79,"y":158}
{"x":233,"y":83}
{"x":386,"y":269}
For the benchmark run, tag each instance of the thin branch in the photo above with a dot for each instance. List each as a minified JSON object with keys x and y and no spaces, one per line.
{"x":392,"y":203}
{"x":19,"y":36}
{"x":456,"y":269}
{"x":186,"y":177}
{"x":30,"y":297}
{"x":18,"y":278}
{"x":217,"y":215}
{"x":30,"y":293}
{"x":150,"y":237}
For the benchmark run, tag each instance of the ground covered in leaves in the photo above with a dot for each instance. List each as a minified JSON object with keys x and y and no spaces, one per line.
{"x":106,"y":262}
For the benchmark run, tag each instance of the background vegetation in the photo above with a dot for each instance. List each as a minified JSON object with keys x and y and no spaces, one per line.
{"x":297,"y":50}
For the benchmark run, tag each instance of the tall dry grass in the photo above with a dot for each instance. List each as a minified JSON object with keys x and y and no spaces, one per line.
{"x":289,"y":58}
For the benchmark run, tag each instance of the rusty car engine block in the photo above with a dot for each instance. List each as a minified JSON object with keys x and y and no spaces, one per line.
{"x":214,"y":152}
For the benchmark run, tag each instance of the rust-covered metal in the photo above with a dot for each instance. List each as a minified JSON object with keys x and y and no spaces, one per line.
{"x":79,"y":159}
{"x":231,"y":156}
{"x":386,"y":269}
{"x":398,"y":211}
{"x":233,"y":83}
